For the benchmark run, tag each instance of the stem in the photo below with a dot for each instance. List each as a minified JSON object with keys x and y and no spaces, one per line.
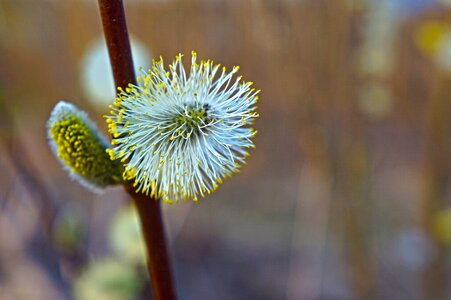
{"x":153,"y":230}
{"x":118,"y":43}
{"x":158,"y":264}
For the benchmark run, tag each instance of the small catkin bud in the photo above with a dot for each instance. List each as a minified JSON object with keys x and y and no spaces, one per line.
{"x":81,"y":149}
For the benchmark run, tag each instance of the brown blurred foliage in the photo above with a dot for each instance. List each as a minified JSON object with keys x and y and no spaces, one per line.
{"x":338,"y":201}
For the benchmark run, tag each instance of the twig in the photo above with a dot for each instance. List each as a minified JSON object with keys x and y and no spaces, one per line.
{"x":158,"y":265}
{"x":153,"y":230}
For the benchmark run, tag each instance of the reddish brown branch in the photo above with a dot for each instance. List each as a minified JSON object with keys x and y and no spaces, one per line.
{"x":158,"y":265}
{"x":118,"y":43}
{"x":153,"y":230}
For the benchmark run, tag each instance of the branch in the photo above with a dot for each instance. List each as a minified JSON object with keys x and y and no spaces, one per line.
{"x":158,"y":265}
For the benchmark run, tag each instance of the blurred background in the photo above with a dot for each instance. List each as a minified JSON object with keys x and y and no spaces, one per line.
{"x":347,"y":195}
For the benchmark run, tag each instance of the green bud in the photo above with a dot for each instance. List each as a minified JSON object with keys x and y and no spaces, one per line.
{"x":107,"y":279}
{"x":126,"y":237}
{"x":80,"y":148}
